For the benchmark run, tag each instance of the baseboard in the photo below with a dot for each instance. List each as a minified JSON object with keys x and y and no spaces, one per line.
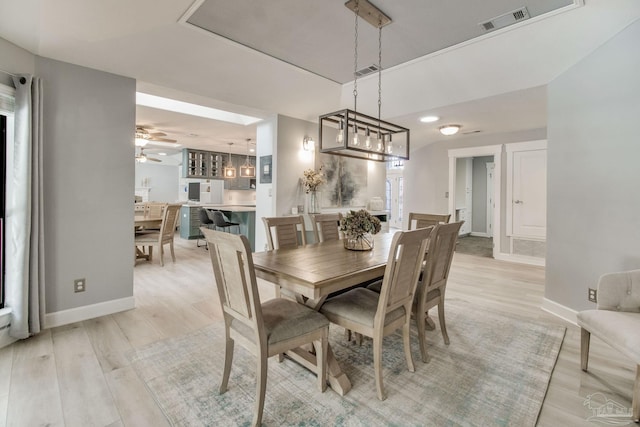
{"x":86,"y":312}
{"x":478,"y":234}
{"x":559,"y":310}
{"x":521,"y":259}
{"x":5,"y":322}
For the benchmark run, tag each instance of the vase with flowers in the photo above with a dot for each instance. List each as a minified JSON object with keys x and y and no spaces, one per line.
{"x":358,"y":228}
{"x":312,"y":179}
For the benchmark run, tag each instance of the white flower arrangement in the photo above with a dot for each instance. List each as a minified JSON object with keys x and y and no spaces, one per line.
{"x":312,"y":179}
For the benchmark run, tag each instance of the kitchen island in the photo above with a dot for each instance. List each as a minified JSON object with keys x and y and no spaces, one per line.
{"x":245,"y":215}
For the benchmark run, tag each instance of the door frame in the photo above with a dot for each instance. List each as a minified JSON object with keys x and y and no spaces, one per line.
{"x":393,"y":175}
{"x":491,"y":167}
{"x":488,"y":150}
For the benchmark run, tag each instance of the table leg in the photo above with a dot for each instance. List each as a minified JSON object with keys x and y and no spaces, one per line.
{"x":338,"y":380}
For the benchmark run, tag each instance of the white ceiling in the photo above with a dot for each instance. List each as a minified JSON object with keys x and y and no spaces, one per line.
{"x":494,"y":83}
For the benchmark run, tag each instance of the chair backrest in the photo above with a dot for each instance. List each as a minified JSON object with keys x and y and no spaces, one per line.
{"x":235,"y":279}
{"x":154,"y":210}
{"x":204,"y":217}
{"x":325,"y":226}
{"x":218,"y":219}
{"x":403,"y":270}
{"x":442,"y":245}
{"x":423,"y":220}
{"x":169,"y":222}
{"x":285,"y":232}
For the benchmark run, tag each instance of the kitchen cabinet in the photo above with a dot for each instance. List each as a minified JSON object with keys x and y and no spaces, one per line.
{"x":239,"y":183}
{"x":201,"y":164}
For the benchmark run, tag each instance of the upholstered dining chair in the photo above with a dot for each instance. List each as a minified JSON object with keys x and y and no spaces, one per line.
{"x":422,"y":220}
{"x":616,"y":321}
{"x":325,"y":226}
{"x":377,"y":315}
{"x":205,"y":221}
{"x":219,"y":221}
{"x":282,"y":232}
{"x":431,"y":288}
{"x":164,"y":236}
{"x":266,"y":329}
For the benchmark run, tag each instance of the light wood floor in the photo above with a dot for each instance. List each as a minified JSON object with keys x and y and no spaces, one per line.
{"x":78,"y":375}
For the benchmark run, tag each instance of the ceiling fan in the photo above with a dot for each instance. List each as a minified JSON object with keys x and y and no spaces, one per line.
{"x":144,"y":136}
{"x":142,"y":158}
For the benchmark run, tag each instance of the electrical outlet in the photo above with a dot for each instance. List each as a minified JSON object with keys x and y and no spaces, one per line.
{"x":79,"y":285}
{"x":593,"y":295}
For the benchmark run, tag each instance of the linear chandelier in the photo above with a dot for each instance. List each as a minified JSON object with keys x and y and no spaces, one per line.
{"x":352,"y":134}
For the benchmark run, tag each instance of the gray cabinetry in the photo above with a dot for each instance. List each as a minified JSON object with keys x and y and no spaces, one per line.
{"x":189,"y":222}
{"x":239,"y":183}
{"x":201,"y":164}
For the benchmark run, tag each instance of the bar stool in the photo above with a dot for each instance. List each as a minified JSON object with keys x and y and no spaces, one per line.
{"x":220,"y":222}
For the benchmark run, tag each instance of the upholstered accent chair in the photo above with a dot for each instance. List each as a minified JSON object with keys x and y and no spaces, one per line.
{"x":374,"y":315}
{"x":265,"y":329}
{"x":616,"y":321}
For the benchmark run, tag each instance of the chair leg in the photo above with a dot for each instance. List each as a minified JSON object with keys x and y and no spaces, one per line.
{"x":585,"y":337}
{"x":261,"y":386}
{"x":173,"y":255}
{"x":422,"y":339}
{"x":228,"y":358}
{"x":161,"y":255}
{"x":406,"y":338}
{"x":377,"y":365}
{"x":635,"y":404}
{"x":443,"y":325}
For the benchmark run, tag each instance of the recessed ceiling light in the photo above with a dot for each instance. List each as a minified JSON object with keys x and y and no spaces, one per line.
{"x":449,"y":130}
{"x":429,"y":119}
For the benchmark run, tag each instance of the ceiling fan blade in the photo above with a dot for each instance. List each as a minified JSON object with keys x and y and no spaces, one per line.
{"x":157,"y":134}
{"x":153,"y":159}
{"x":163,"y":139}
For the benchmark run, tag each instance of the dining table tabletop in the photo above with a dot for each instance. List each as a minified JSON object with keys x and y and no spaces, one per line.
{"x":311,"y":273}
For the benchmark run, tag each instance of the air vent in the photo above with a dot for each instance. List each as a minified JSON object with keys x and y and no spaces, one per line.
{"x":368,"y":70}
{"x":471,"y":131}
{"x":505,"y":20}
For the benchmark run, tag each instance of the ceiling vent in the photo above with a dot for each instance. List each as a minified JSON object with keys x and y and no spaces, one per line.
{"x":368,"y":70}
{"x":505,"y":20}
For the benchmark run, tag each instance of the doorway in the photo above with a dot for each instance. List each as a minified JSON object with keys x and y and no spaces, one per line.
{"x":394,"y":197}
{"x":481,"y":165}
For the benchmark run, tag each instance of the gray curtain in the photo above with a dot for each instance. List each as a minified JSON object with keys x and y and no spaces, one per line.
{"x":24,"y":231}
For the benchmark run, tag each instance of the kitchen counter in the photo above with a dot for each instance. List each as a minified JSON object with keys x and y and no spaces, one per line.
{"x":244,"y":215}
{"x":226,"y":208}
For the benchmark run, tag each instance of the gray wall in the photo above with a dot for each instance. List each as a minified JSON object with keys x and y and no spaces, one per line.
{"x":14,"y":60}
{"x":426,"y":175}
{"x":594,"y":170}
{"x":479,"y":196}
{"x":89,"y":118}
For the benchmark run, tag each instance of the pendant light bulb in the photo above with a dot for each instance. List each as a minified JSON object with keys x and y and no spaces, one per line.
{"x":356,"y":140}
{"x":367,"y":141}
{"x":340,"y":137}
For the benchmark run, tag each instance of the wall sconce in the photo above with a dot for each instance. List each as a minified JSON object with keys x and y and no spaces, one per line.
{"x":308,"y":144}
{"x":449,"y":130}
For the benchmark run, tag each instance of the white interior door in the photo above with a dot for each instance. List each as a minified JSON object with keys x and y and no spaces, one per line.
{"x":529,"y":193}
{"x":395,"y":198}
{"x":490,"y":198}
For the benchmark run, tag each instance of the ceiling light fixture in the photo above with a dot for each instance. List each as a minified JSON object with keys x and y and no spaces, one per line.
{"x":248,"y":170}
{"x":449,"y":130}
{"x":429,"y":119}
{"x":340,"y":131}
{"x":229,"y":171}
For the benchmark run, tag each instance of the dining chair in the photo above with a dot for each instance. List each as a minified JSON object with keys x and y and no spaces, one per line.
{"x":152,"y":210}
{"x":285,"y":232}
{"x":366,"y":312}
{"x":265,"y":329}
{"x":219,"y":221}
{"x":325,"y":226}
{"x":164,"y":236}
{"x":431,"y":288}
{"x":423,"y":220}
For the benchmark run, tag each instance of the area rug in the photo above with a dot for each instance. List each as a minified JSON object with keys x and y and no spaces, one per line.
{"x":495,"y":372}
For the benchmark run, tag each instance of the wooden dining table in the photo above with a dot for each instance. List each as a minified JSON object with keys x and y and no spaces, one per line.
{"x":141,"y":222}
{"x":311,"y":273}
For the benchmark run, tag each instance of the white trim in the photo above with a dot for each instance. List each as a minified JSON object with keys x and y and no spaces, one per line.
{"x":521,"y":259}
{"x":559,"y":310}
{"x":490,"y":206}
{"x":540,"y":144}
{"x":86,"y":312}
{"x":478,"y":234}
{"x":5,"y":321}
{"x":487,"y":150}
